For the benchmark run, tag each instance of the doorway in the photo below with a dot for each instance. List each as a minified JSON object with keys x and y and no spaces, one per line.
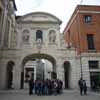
{"x":10,"y":74}
{"x":66,"y":74}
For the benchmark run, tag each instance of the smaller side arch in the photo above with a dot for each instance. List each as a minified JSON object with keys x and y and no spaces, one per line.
{"x":66,"y":66}
{"x":9,"y":75}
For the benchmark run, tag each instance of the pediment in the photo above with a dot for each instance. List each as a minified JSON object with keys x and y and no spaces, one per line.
{"x":39,"y":17}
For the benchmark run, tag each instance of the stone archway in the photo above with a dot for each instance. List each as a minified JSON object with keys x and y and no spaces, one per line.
{"x":9,"y":76}
{"x":37,"y":56}
{"x":67,"y":74}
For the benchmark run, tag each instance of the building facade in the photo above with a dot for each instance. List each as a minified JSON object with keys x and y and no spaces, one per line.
{"x":7,"y":34}
{"x":33,"y":36}
{"x":83,"y":32}
{"x":7,"y":23}
{"x":38,"y":37}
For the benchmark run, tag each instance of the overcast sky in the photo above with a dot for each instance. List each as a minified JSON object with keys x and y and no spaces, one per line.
{"x":62,"y":9}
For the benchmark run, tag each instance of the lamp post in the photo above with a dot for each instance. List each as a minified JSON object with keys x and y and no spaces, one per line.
{"x":49,"y":75}
{"x":79,"y":45}
{"x":42,"y":65}
{"x":39,"y":46}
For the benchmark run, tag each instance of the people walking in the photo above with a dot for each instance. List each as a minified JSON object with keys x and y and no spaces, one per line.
{"x":84,"y":87}
{"x":80,"y":83}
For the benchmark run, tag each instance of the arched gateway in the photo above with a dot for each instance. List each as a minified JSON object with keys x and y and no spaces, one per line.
{"x":38,"y":37}
{"x":33,"y":57}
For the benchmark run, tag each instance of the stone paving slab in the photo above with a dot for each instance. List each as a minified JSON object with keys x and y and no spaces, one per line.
{"x":67,"y":95}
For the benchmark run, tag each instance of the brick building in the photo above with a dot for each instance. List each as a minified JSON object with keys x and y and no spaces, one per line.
{"x":83,"y":33}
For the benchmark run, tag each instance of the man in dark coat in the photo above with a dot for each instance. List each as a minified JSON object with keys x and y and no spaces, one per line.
{"x":80,"y":83}
{"x":31,"y":86}
{"x":84,"y":87}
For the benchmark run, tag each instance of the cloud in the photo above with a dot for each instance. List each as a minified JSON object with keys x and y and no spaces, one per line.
{"x":63,"y":9}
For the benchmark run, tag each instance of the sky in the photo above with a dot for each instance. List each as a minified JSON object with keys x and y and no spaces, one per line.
{"x":62,"y":9}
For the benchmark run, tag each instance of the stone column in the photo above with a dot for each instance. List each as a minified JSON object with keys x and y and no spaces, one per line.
{"x":73,"y":73}
{"x":60,"y":71}
{"x":17,"y":74}
{"x":86,"y":72}
{"x":3,"y":75}
{"x":35,"y":72}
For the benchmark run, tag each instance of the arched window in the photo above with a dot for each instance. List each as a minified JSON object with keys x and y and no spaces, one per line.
{"x":39,"y":34}
{"x":52,"y":36}
{"x":25,"y":36}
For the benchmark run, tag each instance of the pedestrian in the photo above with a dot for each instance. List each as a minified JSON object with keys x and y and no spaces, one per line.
{"x":35,"y":85}
{"x":84,"y":87}
{"x":55,"y":87}
{"x":80,"y":83}
{"x":31,"y":86}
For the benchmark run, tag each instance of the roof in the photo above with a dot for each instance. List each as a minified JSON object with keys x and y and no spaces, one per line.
{"x":37,"y":13}
{"x":82,"y":8}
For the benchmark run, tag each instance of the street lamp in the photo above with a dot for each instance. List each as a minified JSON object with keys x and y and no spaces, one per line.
{"x":79,"y":46}
{"x":43,"y":71}
{"x":49,"y":75}
{"x":39,"y":46}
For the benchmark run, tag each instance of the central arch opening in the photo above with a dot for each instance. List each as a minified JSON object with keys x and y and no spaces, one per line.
{"x":38,"y":67}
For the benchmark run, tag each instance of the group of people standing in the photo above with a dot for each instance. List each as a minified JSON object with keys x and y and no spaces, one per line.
{"x":49,"y":87}
{"x":45,"y":87}
{"x":82,"y":86}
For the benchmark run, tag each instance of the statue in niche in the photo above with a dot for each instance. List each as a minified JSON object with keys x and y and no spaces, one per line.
{"x":25,"y":37}
{"x":52,"y":36}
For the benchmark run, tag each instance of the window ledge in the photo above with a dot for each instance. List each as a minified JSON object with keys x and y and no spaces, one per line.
{"x":92,"y":51}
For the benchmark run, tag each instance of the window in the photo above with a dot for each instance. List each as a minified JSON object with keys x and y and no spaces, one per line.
{"x":90,"y":41}
{"x":95,"y":80}
{"x":93,"y":64}
{"x":87,"y":18}
{"x":39,"y":35}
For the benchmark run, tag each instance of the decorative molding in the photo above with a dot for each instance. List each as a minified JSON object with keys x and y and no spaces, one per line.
{"x":39,"y":28}
{"x":41,"y":15}
{"x":92,"y":12}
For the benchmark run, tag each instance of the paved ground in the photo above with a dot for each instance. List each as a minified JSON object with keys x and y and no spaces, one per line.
{"x":67,"y":95}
